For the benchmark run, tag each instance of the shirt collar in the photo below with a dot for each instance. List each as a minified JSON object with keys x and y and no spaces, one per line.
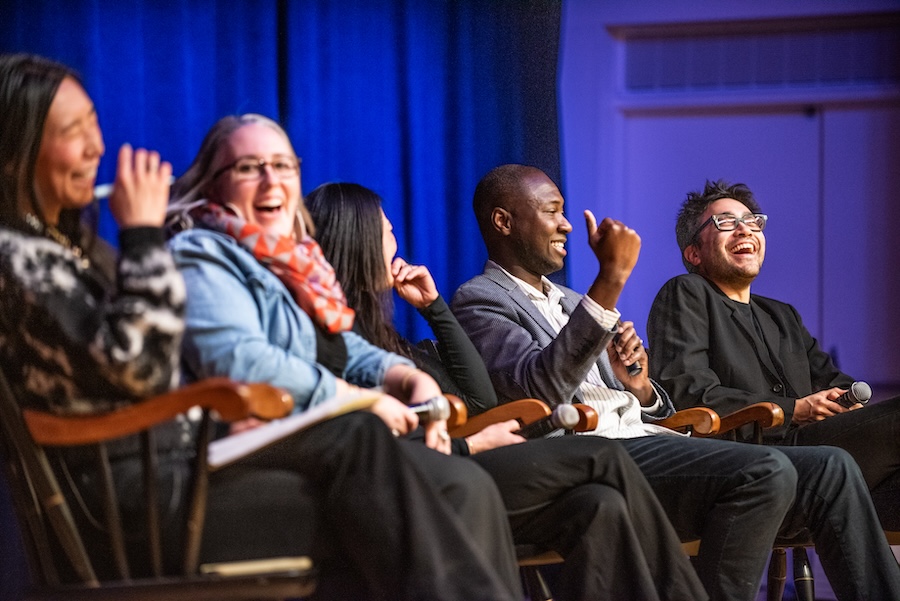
{"x":549,"y":293}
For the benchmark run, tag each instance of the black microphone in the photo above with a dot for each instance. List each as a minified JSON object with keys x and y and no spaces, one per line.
{"x":635,"y":368}
{"x":563,"y":417}
{"x":432,"y":410}
{"x":859,"y":392}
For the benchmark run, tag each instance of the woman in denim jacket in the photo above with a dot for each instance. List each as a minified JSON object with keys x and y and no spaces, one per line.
{"x":263,"y":305}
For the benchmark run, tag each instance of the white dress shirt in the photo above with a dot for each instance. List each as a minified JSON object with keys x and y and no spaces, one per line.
{"x":619,"y":411}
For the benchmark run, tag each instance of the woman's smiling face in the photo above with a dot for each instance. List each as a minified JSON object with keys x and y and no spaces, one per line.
{"x":70,"y":151}
{"x":260,"y":177}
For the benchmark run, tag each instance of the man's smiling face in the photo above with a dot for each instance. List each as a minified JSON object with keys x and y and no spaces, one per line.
{"x":733,"y":257}
{"x":539,"y":227}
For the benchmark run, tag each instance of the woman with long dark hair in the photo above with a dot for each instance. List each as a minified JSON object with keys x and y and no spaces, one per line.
{"x":81,"y":332}
{"x":57,"y":299}
{"x":553,"y":488}
{"x":358,"y":240}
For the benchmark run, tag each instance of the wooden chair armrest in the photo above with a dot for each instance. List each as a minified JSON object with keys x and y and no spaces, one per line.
{"x":459,"y":414}
{"x":699,"y":420}
{"x":268,"y":402}
{"x":587,"y":418}
{"x":765,"y":415}
{"x":524,"y":410}
{"x":231,"y":400}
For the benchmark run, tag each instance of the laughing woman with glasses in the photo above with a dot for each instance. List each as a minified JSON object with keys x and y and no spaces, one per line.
{"x":406,"y":521}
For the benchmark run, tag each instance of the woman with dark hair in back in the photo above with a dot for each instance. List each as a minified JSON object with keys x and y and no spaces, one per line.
{"x":358,"y":240}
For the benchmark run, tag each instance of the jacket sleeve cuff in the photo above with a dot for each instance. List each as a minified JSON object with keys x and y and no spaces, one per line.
{"x":136,"y":240}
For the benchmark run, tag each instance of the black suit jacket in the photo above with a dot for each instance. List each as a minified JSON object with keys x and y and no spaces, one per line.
{"x":706,"y":352}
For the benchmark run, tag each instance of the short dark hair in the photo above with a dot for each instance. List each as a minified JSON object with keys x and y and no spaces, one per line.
{"x":696,"y":203}
{"x":348,"y":224}
{"x":28,"y":84}
{"x":495,"y":189}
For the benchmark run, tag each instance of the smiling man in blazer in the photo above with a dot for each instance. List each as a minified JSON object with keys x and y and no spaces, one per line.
{"x":547,"y":341}
{"x":717,"y":345}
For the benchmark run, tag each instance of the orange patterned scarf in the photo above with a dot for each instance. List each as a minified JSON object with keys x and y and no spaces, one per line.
{"x":300,"y":266}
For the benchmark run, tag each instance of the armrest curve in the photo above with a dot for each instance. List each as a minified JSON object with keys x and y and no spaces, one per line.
{"x":231,"y":400}
{"x":525,"y":411}
{"x":587,"y":418}
{"x":765,"y":415}
{"x":459,"y":413}
{"x":700,"y":420}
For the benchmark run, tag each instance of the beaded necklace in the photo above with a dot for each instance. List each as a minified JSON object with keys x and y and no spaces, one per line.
{"x":57,"y":236}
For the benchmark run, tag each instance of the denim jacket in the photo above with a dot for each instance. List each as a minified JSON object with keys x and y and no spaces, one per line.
{"x":243,"y":323}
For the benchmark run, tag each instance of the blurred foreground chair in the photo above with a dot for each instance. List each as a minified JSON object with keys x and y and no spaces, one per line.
{"x":55,"y":547}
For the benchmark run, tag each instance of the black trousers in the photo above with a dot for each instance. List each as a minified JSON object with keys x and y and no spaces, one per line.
{"x":585,"y":498}
{"x":872,"y":436}
{"x":407,"y":523}
{"x":737,"y":498}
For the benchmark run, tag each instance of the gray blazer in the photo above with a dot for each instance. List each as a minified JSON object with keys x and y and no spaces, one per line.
{"x":523,"y":353}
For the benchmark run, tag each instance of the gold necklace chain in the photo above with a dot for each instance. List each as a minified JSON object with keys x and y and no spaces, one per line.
{"x":58,"y":237}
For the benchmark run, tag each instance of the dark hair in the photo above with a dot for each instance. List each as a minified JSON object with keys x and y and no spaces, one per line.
{"x":696,"y":203}
{"x":349,"y":230}
{"x":496,"y":189}
{"x":28,"y":84}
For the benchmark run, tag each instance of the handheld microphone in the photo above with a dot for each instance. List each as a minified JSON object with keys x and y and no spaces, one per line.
{"x":859,"y":392}
{"x":432,"y":410}
{"x":635,"y":368}
{"x":563,"y":417}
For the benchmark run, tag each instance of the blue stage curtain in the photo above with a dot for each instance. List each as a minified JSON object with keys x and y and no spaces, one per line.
{"x":416,"y":99}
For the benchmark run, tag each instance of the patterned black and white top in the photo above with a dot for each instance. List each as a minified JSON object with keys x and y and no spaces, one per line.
{"x":72,"y":342}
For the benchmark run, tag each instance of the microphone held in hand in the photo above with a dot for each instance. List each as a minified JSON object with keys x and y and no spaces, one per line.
{"x":859,"y":392}
{"x":635,"y":368}
{"x":563,"y":417}
{"x":434,"y":409}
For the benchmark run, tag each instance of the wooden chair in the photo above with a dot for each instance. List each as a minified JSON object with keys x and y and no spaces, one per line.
{"x":54,"y":545}
{"x":761,"y":416}
{"x":525,"y":411}
{"x":699,"y":421}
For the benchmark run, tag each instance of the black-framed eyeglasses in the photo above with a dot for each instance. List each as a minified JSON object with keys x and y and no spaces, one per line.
{"x":726,"y":222}
{"x":253,"y":168}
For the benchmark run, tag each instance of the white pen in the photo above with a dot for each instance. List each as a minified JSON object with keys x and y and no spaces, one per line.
{"x":104,"y":190}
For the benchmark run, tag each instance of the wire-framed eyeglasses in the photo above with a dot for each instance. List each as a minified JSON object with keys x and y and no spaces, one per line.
{"x":253,"y":168}
{"x":726,"y":222}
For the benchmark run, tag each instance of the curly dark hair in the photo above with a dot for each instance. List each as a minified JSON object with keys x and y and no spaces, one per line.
{"x":696,"y":203}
